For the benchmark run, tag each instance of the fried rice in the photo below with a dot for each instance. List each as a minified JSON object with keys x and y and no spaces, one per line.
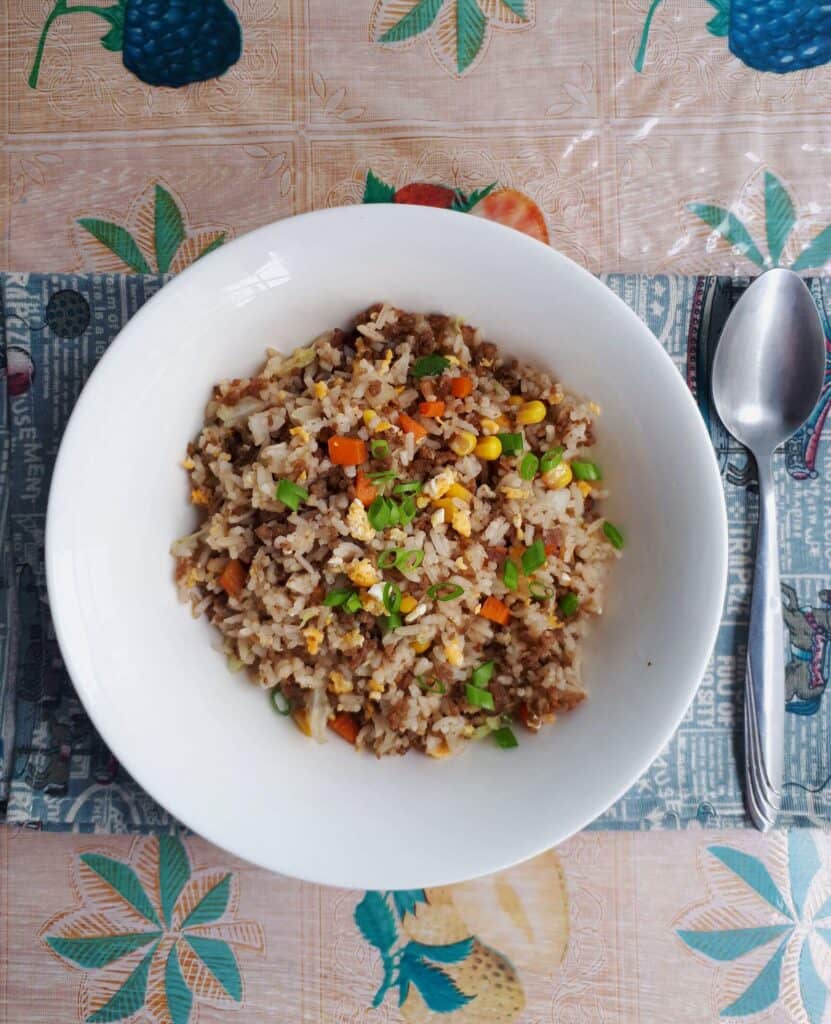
{"x":401,"y":539}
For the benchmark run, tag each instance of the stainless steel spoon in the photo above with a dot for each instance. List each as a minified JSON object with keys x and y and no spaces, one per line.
{"x":767,"y":377}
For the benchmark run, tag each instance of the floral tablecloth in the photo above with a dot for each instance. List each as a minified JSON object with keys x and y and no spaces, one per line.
{"x":679,"y":137}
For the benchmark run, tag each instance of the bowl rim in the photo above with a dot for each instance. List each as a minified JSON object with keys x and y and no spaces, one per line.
{"x":130,"y":334}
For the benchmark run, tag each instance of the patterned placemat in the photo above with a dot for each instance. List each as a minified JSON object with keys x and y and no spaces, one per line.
{"x":56,"y":773}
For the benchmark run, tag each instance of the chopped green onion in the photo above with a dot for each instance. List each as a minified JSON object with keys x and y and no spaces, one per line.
{"x":585,"y":470}
{"x":533,"y":557}
{"x":529,"y":466}
{"x":614,"y":535}
{"x":482,"y":675}
{"x":540,"y":591}
{"x":429,"y":366}
{"x":353,"y":604}
{"x":387,"y":559}
{"x":382,"y":476}
{"x":379,"y":448}
{"x":408,"y":559}
{"x":552,"y":458}
{"x":378,"y":513}
{"x":391,"y":597}
{"x":395,"y":512}
{"x":445,"y":591}
{"x":479,"y":698}
{"x":281,"y":704}
{"x":407,"y":510}
{"x":390,"y":622}
{"x":291,"y":494}
{"x":512,"y":444}
{"x":410,"y":487}
{"x":505,"y":738}
{"x":568,"y":603}
{"x":510,"y":575}
{"x":335,"y":598}
{"x":437,"y":686}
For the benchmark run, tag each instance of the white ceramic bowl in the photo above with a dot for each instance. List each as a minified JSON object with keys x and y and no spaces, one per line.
{"x":205,"y":743}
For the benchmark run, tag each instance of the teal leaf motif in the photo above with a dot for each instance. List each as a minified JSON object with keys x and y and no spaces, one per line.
{"x":212,"y":905}
{"x":125,"y":881}
{"x":375,"y":921}
{"x":417,"y":20}
{"x":779,"y":216}
{"x":464,"y":204}
{"x":170,"y":229}
{"x":100,"y":950}
{"x":377,"y":191}
{"x":129,"y":998}
{"x":517,"y":6}
{"x":177,"y":993}
{"x":452,"y":953}
{"x":406,"y":900}
{"x":174,"y":873}
{"x":816,"y":254}
{"x":719,"y":24}
{"x":113,"y":40}
{"x":118,"y":240}
{"x":218,"y":957}
{"x":732,"y":943}
{"x":763,"y":991}
{"x":811,"y":986}
{"x":730,"y":228}
{"x":215,"y":244}
{"x":470,"y":32}
{"x":824,"y":910}
{"x":803,"y":864}
{"x":438,"y":991}
{"x":752,"y":871}
{"x":824,"y":933}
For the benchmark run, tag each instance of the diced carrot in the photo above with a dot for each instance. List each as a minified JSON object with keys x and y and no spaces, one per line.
{"x":496,"y":611}
{"x":365,"y":491}
{"x":232,"y":579}
{"x":347,"y":451}
{"x":346,"y":726}
{"x":461,"y":387}
{"x":411,"y":426}
{"x":301,"y":720}
{"x":551,"y":549}
{"x":432,"y":408}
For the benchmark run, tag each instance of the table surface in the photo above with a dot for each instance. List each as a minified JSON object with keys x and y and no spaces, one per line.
{"x":621,"y":132}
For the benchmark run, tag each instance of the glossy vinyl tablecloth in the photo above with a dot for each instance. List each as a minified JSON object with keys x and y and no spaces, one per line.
{"x":679,"y":137}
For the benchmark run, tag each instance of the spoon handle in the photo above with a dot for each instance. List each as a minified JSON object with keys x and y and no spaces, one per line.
{"x":765,"y":682}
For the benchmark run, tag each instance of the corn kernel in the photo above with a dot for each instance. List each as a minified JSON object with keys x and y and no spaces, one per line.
{"x":489,"y":426}
{"x":453,"y":360}
{"x":458,"y":491}
{"x":558,"y":477}
{"x":421,"y":644}
{"x":531,"y":412}
{"x":489,"y":449}
{"x":381,"y":426}
{"x":408,"y":603}
{"x":584,"y":487}
{"x":199,"y":496}
{"x":376,"y":686}
{"x":320,"y":389}
{"x":516,"y":400}
{"x":422,"y":501}
{"x":463,"y":442}
{"x":370,"y":417}
{"x":454,"y":651}
{"x":189,"y":463}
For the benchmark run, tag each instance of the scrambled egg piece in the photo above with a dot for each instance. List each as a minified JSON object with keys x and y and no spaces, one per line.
{"x":351,"y":640}
{"x":320,"y":389}
{"x":454,"y":651}
{"x":313,"y":638}
{"x":440,"y":484}
{"x":584,"y":487}
{"x":199,"y":496}
{"x":301,"y":433}
{"x":514,"y":493}
{"x":363,"y":573}
{"x":358,"y":523}
{"x":461,"y":522}
{"x":188,"y":463}
{"x":339,"y":683}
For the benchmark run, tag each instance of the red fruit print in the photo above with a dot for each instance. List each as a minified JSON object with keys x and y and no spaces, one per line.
{"x":422,"y":194}
{"x":19,"y":371}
